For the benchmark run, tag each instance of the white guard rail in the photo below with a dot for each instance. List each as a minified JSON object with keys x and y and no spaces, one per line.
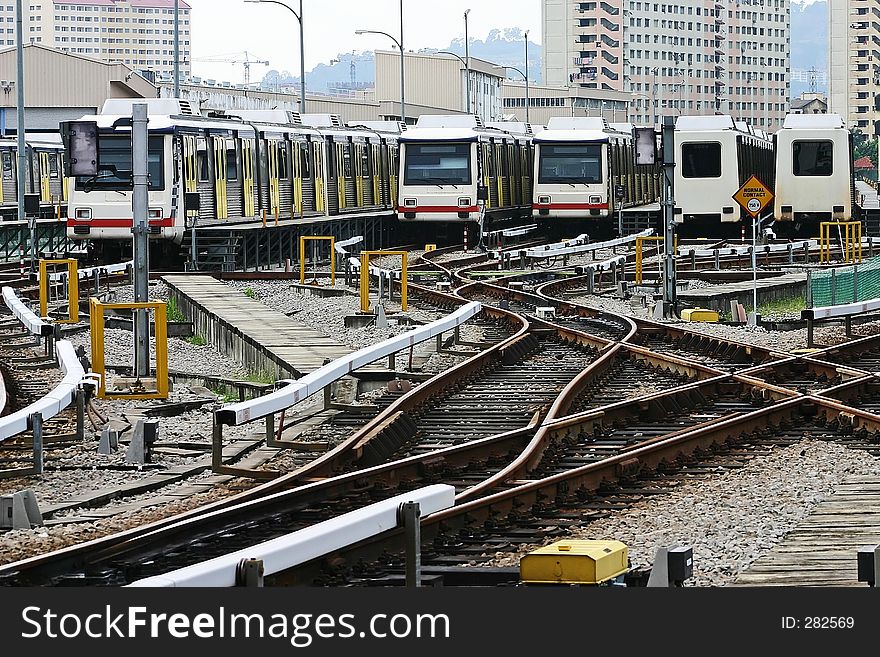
{"x":605,"y":265}
{"x":512,"y":232}
{"x":89,"y":271}
{"x":306,"y":544}
{"x":829,"y":312}
{"x":746,"y":250}
{"x":53,"y":403}
{"x":25,"y":315}
{"x":577,"y":246}
{"x":340,"y":246}
{"x":296,"y":391}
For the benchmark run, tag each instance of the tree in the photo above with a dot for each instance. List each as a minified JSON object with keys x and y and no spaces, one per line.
{"x":864,"y":146}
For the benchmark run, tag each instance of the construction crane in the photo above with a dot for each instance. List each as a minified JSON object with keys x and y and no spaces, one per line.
{"x":235,"y":58}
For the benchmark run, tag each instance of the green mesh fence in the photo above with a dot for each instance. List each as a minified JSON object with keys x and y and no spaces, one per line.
{"x":846,"y":284}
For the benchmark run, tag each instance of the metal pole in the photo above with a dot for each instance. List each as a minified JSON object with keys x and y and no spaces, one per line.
{"x":526,"y":76}
{"x":20,"y":128}
{"x":177,"y":48}
{"x":467,"y":62}
{"x":140,"y":202}
{"x":402,"y":94}
{"x":753,"y":320}
{"x":410,"y":519}
{"x":670,"y":299}
{"x":302,"y":62}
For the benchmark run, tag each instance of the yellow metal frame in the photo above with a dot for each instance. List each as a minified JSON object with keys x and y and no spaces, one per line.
{"x":639,"y":242}
{"x":302,"y":255}
{"x":365,"y":277}
{"x":852,"y":250}
{"x":72,"y":290}
{"x":96,"y":322}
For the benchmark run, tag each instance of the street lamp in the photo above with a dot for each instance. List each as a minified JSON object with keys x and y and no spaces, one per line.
{"x":302,"y":49}
{"x":463,"y":63}
{"x":467,"y":63}
{"x":526,"y":78}
{"x":526,"y":75}
{"x":399,"y":44}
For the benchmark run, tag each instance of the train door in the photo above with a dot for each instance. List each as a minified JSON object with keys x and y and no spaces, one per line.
{"x":190,"y":170}
{"x":394,"y":168}
{"x":357,"y":166}
{"x":45,"y":183}
{"x":296,"y":179}
{"x":274,"y":179}
{"x":341,"y":162}
{"x":220,"y":165}
{"x":376,"y":170}
{"x":320,"y":191}
{"x":248,"y":171}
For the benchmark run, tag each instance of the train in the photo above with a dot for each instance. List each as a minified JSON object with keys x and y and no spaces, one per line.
{"x":585,"y":169}
{"x":457,"y":170}
{"x":447,"y":172}
{"x":45,"y":175}
{"x":221,"y":169}
{"x":715,"y":155}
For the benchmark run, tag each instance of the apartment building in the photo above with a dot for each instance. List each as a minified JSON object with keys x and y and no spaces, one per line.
{"x":689,"y":57}
{"x":137,"y":33}
{"x":854,"y":62}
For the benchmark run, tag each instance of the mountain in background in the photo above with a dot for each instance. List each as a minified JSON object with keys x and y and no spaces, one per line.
{"x":357,"y":70}
{"x":809,"y":45}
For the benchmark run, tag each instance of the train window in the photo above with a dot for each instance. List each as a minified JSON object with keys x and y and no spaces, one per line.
{"x":570,"y":163}
{"x":701,"y":160}
{"x":114,"y":155}
{"x":7,"y":165}
{"x":365,"y":161}
{"x":437,"y":164}
{"x":53,"y":165}
{"x":231,"y":161}
{"x":812,"y":158}
{"x":282,"y":160}
{"x":346,"y":161}
{"x":202,"y":159}
{"x":305,"y":161}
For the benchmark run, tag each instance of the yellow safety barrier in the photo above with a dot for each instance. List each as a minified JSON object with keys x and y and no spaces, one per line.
{"x":852,"y":246}
{"x":72,"y":290}
{"x":365,"y":277}
{"x":639,"y":242}
{"x":302,"y":255}
{"x":160,"y":318}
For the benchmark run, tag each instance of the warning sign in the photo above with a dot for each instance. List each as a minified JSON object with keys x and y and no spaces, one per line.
{"x":753,"y":196}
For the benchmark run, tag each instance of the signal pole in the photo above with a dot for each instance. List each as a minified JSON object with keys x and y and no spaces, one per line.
{"x":670,"y":295}
{"x":140,"y":229}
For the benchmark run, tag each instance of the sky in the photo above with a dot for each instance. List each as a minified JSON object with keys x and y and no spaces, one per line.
{"x":227,"y":29}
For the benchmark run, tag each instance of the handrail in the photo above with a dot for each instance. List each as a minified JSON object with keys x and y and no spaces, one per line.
{"x":842,"y":310}
{"x":25,"y":315}
{"x":296,"y":391}
{"x":56,"y":401}
{"x":578,"y":246}
{"x":298,"y":547}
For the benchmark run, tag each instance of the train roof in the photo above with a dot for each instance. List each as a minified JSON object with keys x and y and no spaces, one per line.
{"x":706,"y":123}
{"x":577,"y":128}
{"x":813,"y":122}
{"x":454,"y":127}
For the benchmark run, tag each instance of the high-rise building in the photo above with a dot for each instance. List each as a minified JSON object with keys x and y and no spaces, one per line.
{"x":687,"y":57}
{"x":139,"y":33}
{"x":854,"y":62}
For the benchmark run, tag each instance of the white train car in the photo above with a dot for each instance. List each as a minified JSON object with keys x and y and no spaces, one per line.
{"x":581,"y":163}
{"x":814,"y":174}
{"x":240,"y":168}
{"x":715,"y":156}
{"x":456,"y":170}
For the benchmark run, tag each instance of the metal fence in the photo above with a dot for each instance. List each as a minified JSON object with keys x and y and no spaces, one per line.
{"x":844,"y":284}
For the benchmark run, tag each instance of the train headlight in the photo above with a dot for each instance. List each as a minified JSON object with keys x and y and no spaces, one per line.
{"x":544,"y":200}
{"x":83,"y":214}
{"x":410,"y":202}
{"x":595,"y":199}
{"x":464,"y":202}
{"x":155,"y":213}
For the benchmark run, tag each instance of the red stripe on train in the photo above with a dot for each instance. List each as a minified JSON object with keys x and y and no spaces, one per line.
{"x":570,"y":206}
{"x":118,"y":223}
{"x":439,"y":208}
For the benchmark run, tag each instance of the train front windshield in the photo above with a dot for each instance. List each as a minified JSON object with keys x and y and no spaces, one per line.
{"x":437,"y":164}
{"x":115,"y":165}
{"x":570,"y":163}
